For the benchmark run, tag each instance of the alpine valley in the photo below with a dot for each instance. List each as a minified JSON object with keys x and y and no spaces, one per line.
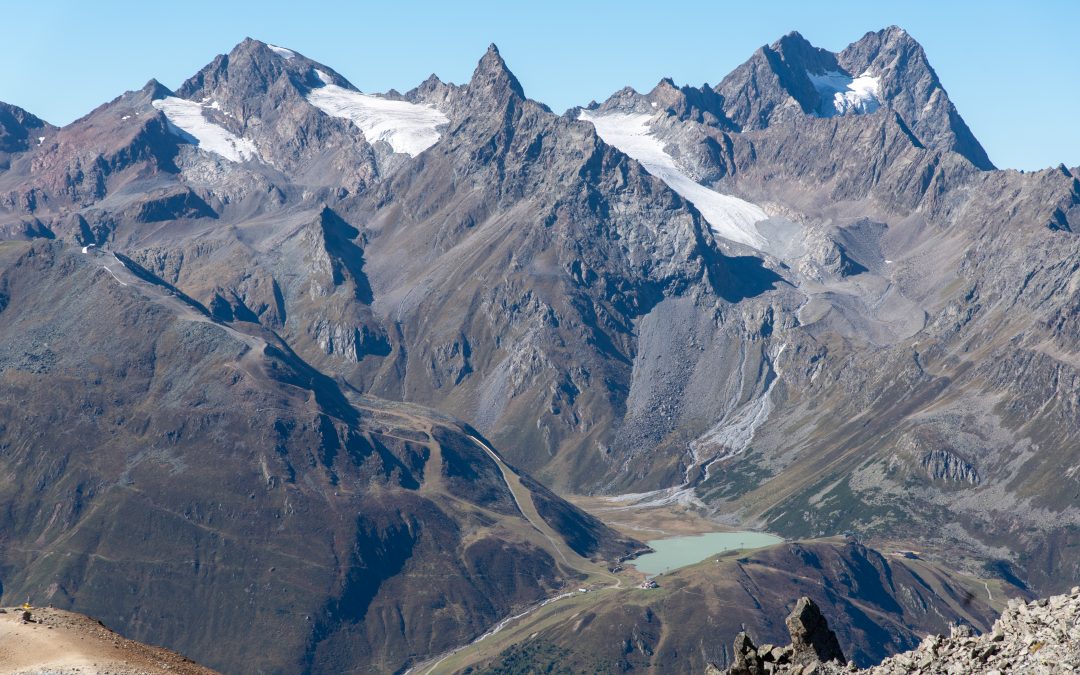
{"x":295,"y":378}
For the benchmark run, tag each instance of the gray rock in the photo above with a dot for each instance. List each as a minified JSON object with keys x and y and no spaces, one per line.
{"x":811,"y":637}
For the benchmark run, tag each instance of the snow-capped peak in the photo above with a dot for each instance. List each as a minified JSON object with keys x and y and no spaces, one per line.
{"x":842,"y":94}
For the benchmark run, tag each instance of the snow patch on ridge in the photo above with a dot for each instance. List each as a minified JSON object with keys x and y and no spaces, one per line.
{"x":729,"y":217}
{"x":282,"y":52}
{"x":843,"y":94}
{"x":186,"y":120}
{"x":409,"y":128}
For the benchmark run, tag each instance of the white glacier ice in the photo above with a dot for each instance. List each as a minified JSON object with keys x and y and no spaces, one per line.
{"x":729,"y":217}
{"x":187,"y":120}
{"x":281,"y":51}
{"x":409,"y":128}
{"x":843,"y":94}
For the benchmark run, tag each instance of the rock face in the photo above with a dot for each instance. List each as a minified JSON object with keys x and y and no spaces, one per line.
{"x":1042,"y":636}
{"x":907,"y":252}
{"x":890,"y":347}
{"x":791,"y":77}
{"x":811,"y":639}
{"x":812,"y":644}
{"x":17,"y":131}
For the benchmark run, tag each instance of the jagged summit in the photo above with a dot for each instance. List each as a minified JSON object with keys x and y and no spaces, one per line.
{"x":910,"y":86}
{"x":792,"y":79}
{"x":883,"y":69}
{"x":796,"y":49}
{"x":791,"y":70}
{"x":254,"y":68}
{"x":493,"y":77}
{"x":805,"y":314}
{"x":272,"y":104}
{"x":150,"y":92}
{"x":683,"y":102}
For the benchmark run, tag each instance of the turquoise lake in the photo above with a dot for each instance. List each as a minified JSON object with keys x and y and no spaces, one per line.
{"x":671,"y":554}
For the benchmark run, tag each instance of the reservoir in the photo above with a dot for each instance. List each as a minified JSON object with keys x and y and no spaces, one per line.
{"x":671,"y":554}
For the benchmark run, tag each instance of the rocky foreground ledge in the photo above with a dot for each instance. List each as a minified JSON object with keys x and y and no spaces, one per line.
{"x":1042,"y":636}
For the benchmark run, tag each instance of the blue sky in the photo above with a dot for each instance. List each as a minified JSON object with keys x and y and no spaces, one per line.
{"x":1010,"y":67}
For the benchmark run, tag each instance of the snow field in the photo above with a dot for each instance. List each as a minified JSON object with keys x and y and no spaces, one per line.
{"x":844,"y":94}
{"x":409,"y":128}
{"x":186,"y":118}
{"x":728,"y":216}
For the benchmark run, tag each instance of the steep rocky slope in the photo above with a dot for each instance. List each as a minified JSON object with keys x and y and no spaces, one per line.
{"x":802,"y":300}
{"x":878,"y":605}
{"x":887,"y":68}
{"x":926,"y":376}
{"x":1042,"y":636}
{"x":519,"y":274}
{"x":19,"y":132}
{"x":527,"y":293}
{"x":199,"y":486}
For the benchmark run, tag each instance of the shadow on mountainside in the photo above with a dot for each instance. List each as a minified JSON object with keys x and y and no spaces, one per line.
{"x":737,"y":278}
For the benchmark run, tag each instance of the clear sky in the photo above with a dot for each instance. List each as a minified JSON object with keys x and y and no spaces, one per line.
{"x":1010,"y":67}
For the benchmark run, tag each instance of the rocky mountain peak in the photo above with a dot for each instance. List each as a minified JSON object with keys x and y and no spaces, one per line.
{"x":795,"y":52}
{"x":434,"y":91}
{"x":493,"y":78}
{"x":248,"y":66}
{"x":254,"y":69}
{"x":155,"y":89}
{"x":774,"y":84}
{"x":907,"y":83}
{"x":151,"y":91}
{"x":17,"y":127}
{"x":684,"y":103}
{"x":698,"y":104}
{"x":891,"y":37}
{"x":579,"y":292}
{"x":432,"y":84}
{"x":792,"y":78}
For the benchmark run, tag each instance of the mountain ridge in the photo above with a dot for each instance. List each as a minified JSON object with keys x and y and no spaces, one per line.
{"x":821,"y":311}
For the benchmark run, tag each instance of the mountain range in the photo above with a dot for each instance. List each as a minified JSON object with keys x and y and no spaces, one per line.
{"x":296,"y":377}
